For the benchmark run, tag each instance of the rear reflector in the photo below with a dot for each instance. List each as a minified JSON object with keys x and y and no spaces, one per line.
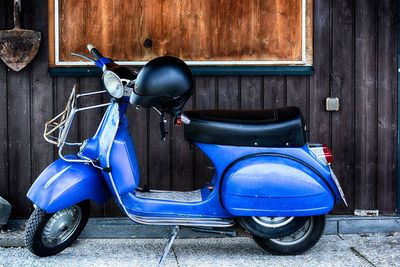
{"x":322,"y":152}
{"x":327,"y":153}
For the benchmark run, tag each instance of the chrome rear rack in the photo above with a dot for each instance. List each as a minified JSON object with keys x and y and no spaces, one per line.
{"x":58,"y":122}
{"x":56,"y":130}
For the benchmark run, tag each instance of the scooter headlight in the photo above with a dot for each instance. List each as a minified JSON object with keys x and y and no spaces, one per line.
{"x":113,"y":84}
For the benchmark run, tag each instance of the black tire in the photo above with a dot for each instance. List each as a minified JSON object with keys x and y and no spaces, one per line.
{"x":308,"y":236}
{"x":37,"y":222}
{"x":255,"y":227}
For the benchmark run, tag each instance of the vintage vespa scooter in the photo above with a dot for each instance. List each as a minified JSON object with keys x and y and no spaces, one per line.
{"x":267,"y":177}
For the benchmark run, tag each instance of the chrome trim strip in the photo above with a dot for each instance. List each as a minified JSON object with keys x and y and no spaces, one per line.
{"x":92,"y":107}
{"x":335,"y":179}
{"x":203,"y":222}
{"x":91,"y":93}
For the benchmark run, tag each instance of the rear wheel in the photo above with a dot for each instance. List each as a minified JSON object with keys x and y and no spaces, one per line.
{"x":271,"y":227}
{"x":47,"y":234}
{"x":300,"y":241}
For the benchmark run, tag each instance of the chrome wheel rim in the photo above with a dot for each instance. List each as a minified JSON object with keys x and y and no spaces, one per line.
{"x":298,"y":236}
{"x":273,"y":222}
{"x":61,"y":226}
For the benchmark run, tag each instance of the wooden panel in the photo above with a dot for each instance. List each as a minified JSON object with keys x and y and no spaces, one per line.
{"x":51,"y":31}
{"x":138,"y":122}
{"x":182,"y":158}
{"x":205,"y":95}
{"x":89,"y":120}
{"x":365,"y":104}
{"x":228,"y":94}
{"x":342,"y":87}
{"x":160,"y":165}
{"x":319,"y":123}
{"x":4,"y":177}
{"x":270,"y":31}
{"x":19,"y":132}
{"x":251,"y":93}
{"x":297,"y":94}
{"x":386,"y":106}
{"x":19,"y":138}
{"x":274,"y":92}
{"x":42,"y":96}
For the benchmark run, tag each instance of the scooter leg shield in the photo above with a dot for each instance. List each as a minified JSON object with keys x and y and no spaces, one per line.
{"x":63,"y":184}
{"x":275,"y":186}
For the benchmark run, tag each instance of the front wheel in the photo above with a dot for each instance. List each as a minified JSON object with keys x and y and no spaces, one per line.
{"x":47,"y":234}
{"x":298,"y":242}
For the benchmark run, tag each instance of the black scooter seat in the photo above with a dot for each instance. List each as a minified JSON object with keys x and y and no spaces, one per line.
{"x":283,"y":127}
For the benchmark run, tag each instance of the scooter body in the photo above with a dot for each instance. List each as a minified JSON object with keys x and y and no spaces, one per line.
{"x":248,"y":181}
{"x":274,"y":191}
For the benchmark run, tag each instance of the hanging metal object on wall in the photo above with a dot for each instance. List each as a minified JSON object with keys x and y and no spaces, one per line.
{"x":18,"y":47}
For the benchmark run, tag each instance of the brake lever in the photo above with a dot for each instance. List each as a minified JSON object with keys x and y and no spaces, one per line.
{"x":84,"y":57}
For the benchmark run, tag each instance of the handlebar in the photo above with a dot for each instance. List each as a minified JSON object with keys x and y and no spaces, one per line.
{"x":93,"y":50}
{"x":98,"y":60}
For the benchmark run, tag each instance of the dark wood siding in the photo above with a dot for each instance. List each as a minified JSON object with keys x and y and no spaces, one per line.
{"x":355,"y":59}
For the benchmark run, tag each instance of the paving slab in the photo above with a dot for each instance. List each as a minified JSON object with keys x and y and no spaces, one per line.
{"x":378,"y":249}
{"x":93,"y":252}
{"x":12,"y":238}
{"x":331,"y":250}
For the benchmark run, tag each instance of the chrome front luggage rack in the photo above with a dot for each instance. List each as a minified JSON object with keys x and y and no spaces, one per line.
{"x":56,"y":130}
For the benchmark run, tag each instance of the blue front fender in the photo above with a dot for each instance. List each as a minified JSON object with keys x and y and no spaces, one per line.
{"x":63,"y":184}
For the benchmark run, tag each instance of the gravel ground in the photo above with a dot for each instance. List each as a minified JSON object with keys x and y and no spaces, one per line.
{"x":331,"y":250}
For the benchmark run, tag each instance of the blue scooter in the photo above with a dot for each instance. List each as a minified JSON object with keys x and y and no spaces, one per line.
{"x":268,"y":180}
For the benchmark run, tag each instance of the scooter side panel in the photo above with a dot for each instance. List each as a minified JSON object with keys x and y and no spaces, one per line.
{"x":63,"y":184}
{"x":223,"y":156}
{"x":123,"y":162}
{"x":274,"y":186}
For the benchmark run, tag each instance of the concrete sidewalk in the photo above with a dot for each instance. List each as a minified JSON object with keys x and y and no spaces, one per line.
{"x":332,"y":250}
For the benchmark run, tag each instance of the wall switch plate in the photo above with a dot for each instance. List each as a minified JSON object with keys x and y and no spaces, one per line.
{"x":332,"y":104}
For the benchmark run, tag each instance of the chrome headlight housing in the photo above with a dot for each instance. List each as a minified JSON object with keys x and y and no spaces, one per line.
{"x":113,"y":84}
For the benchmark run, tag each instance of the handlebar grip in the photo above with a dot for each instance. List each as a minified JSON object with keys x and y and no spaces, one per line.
{"x":93,"y":50}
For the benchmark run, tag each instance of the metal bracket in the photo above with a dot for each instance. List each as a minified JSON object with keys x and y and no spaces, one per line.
{"x":174,"y":233}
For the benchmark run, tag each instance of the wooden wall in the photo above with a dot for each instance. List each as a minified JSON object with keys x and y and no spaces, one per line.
{"x":355,"y":59}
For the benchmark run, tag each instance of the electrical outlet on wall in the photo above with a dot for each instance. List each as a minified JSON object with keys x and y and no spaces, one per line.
{"x":332,"y":104}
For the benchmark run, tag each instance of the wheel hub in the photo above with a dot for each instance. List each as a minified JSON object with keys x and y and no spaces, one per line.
{"x":297,"y":236}
{"x":61,"y":226}
{"x":273,"y":222}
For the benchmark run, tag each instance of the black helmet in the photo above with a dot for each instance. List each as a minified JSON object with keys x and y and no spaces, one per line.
{"x":165,"y":83}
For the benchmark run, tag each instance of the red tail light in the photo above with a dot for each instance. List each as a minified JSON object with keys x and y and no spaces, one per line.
{"x":327,"y":154}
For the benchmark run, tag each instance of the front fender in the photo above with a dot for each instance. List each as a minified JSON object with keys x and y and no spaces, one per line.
{"x":275,"y":186}
{"x":63,"y":184}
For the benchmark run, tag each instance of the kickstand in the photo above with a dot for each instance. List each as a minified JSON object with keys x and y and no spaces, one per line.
{"x":172,"y":236}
